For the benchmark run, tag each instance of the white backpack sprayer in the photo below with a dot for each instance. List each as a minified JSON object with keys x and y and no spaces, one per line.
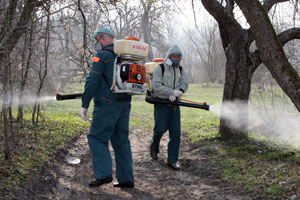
{"x":129,"y":76}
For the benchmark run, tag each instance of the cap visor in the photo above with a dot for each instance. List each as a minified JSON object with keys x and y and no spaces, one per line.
{"x":94,"y":35}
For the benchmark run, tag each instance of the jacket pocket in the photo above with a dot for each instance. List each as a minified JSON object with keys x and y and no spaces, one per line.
{"x":106,"y":101}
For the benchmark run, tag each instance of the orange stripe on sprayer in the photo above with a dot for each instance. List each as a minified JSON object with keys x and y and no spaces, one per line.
{"x":192,"y":101}
{"x":132,"y":38}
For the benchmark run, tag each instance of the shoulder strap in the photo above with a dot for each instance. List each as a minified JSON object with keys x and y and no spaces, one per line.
{"x":102,"y":74}
{"x":162,"y":66}
{"x":163,"y":69}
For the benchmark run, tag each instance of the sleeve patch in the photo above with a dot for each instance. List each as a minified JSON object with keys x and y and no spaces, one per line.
{"x":95,"y":59}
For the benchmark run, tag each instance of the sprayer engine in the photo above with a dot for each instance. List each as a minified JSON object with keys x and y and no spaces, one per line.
{"x":133,"y":73}
{"x":129,"y":75}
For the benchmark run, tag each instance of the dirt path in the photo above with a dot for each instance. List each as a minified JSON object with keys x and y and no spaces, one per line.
{"x":153,"y":179}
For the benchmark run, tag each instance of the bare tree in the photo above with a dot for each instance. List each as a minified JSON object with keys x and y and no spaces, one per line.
{"x":241,"y":62}
{"x":210,"y":63}
{"x":26,"y":60}
{"x":191,"y":61}
{"x":145,"y":24}
{"x":155,"y":15}
{"x":84,"y":56}
{"x":125,"y":23}
{"x":42,"y":71}
{"x":13,"y":26}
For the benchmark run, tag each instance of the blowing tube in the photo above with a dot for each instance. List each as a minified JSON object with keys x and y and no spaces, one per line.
{"x":68,"y":96}
{"x":155,"y":100}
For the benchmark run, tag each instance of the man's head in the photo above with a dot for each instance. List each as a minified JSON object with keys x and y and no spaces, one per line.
{"x":174,"y":55}
{"x":103,"y":36}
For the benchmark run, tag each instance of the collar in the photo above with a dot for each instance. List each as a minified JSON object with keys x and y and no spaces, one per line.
{"x":109,"y":46}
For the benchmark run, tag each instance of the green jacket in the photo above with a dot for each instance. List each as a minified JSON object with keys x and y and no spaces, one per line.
{"x":99,"y":80}
{"x":163,"y":86}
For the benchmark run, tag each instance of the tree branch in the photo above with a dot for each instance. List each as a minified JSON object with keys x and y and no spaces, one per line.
{"x":271,"y":51}
{"x":284,"y":37}
{"x":268,"y":4}
{"x":195,"y":21}
{"x":288,"y":35}
{"x":219,"y":13}
{"x":10,"y":13}
{"x":84,"y":34}
{"x":20,"y":27}
{"x":224,"y":17}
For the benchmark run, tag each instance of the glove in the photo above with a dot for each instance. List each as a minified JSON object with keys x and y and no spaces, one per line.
{"x":83,"y":113}
{"x":178,"y":93}
{"x":172,"y":98}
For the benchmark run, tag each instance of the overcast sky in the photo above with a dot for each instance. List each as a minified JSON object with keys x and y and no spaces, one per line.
{"x":284,"y":13}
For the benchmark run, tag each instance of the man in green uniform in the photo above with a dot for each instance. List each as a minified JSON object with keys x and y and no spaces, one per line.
{"x":169,"y":82}
{"x":110,"y":116}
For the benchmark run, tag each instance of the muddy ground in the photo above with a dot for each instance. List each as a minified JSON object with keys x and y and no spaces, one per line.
{"x":153,"y":179}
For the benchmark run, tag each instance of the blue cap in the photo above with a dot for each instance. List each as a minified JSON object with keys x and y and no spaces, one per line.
{"x":177,"y":53}
{"x":105,"y":30}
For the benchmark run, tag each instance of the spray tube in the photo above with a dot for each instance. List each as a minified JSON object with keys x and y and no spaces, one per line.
{"x":155,"y":100}
{"x":68,"y":96}
{"x":148,"y":98}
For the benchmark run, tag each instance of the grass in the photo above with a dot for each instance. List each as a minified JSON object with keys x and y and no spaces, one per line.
{"x":265,"y":170}
{"x":36,"y":145}
{"x":201,"y":124}
{"x":198,"y":123}
{"x":261,"y":167}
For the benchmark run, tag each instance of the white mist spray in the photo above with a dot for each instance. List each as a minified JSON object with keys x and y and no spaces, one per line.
{"x":283,"y":127}
{"x":30,"y":99}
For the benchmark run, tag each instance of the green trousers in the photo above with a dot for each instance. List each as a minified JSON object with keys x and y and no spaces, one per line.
{"x":167,"y":117}
{"x":111,"y":123}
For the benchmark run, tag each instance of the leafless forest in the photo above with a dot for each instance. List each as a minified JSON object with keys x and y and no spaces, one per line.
{"x":45,"y":45}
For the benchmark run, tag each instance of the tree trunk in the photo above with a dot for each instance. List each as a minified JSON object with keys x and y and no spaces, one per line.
{"x":236,"y":89}
{"x":33,"y":121}
{"x":239,"y":69}
{"x":146,"y":27}
{"x":7,"y":155}
{"x":10,"y":104}
{"x":35,"y":113}
{"x":25,"y":70}
{"x":42,"y":74}
{"x":4,"y":70}
{"x":20,"y":108}
{"x":12,"y":39}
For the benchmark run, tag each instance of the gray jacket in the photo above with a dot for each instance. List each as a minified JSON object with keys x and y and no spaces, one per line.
{"x":163,"y":86}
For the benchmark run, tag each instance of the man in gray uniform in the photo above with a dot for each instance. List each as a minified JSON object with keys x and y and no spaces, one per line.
{"x":169,"y":82}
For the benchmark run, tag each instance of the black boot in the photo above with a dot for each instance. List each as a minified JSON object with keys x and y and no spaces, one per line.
{"x":99,"y":182}
{"x":174,"y":166}
{"x":153,"y":154}
{"x":124,"y":185}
